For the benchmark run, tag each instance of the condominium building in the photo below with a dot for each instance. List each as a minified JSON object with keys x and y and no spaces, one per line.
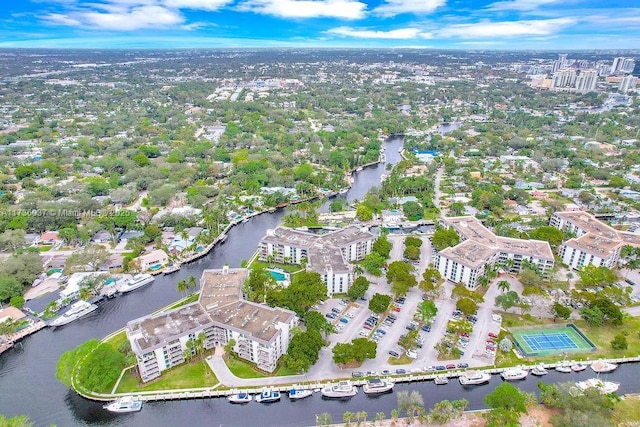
{"x":328,"y":254}
{"x":586,"y":81}
{"x":261,"y":333}
{"x":467,"y":261}
{"x":596,"y":243}
{"x":564,"y":78}
{"x":622,"y":65}
{"x":627,"y":83}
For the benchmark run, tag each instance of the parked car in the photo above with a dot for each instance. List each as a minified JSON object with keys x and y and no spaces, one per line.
{"x":440,"y":368}
{"x":463,"y":365}
{"x":412,"y":354}
{"x":344,"y":320}
{"x":426,"y":328}
{"x":492,"y":335}
{"x":357,"y":374}
{"x":393,"y":353}
{"x":401,"y":371}
{"x":451,"y":366}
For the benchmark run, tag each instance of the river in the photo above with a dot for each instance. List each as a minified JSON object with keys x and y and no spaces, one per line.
{"x":27,"y":373}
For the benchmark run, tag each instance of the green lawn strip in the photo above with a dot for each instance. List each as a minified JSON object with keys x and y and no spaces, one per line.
{"x":242,"y":369}
{"x":188,"y":375}
{"x":402,"y":360}
{"x":116,"y":340}
{"x":45,"y":248}
{"x":289,"y":268}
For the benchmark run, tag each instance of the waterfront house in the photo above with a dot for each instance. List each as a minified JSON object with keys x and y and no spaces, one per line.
{"x":261,"y":333}
{"x":153,"y":259}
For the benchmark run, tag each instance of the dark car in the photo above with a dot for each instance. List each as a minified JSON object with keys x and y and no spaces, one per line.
{"x":440,"y":368}
{"x":393,"y":353}
{"x":426,"y":328}
{"x":386,"y":372}
{"x":330,"y":316}
{"x":463,"y":365}
{"x":401,"y":371}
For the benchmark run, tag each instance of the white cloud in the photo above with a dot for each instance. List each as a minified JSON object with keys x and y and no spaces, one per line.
{"x":397,"y":7}
{"x":507,"y":28}
{"x":399,"y":34}
{"x":522,"y":5}
{"x":120,"y":18}
{"x":60,"y":19}
{"x":196,"y":4}
{"x":343,"y":9}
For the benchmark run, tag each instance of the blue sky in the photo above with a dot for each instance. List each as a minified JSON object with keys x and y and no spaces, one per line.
{"x":458,"y":24}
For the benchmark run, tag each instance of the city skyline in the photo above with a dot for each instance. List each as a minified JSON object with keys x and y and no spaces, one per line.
{"x":447,"y":24}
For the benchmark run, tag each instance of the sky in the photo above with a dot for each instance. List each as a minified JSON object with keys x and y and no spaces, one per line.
{"x":438,"y":24}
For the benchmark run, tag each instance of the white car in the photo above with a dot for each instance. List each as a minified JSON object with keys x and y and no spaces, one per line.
{"x":363,"y":333}
{"x":350,"y":315}
{"x":412,"y":354}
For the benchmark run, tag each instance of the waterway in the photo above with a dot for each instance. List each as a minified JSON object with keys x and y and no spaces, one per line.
{"x":27,"y":373}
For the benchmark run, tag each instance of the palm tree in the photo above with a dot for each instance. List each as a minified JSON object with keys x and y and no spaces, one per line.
{"x":183,"y":287}
{"x":361,"y":417}
{"x":504,"y":286}
{"x":379,"y":417}
{"x":395,"y":414}
{"x":192,"y":283}
{"x":347,"y":417}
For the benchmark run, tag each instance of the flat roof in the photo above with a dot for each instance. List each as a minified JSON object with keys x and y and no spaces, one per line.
{"x":469,"y":253}
{"x":594,"y":244}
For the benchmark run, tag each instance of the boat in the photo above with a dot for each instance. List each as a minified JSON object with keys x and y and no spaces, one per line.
{"x":171,"y":268}
{"x":245,"y":219}
{"x":222,"y":238}
{"x":138,"y":281}
{"x":343,"y":190}
{"x":78,"y":309}
{"x":268,"y":396}
{"x":341,"y":390}
{"x":359,"y":168}
{"x":579,"y":367}
{"x":600,"y":366}
{"x":299,"y":393}
{"x":539,"y":371}
{"x":124,"y":404}
{"x":564,"y":368}
{"x":604,"y":387}
{"x":377,"y":386}
{"x":514,"y":374}
{"x":441,"y":380}
{"x":474,"y":378}
{"x":241,"y":397}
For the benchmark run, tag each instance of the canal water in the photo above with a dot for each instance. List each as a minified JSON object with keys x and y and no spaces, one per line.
{"x":27,"y":373}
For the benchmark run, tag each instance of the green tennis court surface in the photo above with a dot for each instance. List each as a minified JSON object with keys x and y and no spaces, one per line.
{"x":550,"y":341}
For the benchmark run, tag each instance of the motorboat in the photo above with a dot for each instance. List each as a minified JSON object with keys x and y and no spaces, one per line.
{"x":604,"y":387}
{"x":138,"y":281}
{"x":474,"y":378}
{"x":241,"y":397}
{"x":514,"y":374}
{"x":564,"y":368}
{"x":377,"y":386}
{"x":268,"y":396}
{"x":579,"y":367}
{"x":299,"y":393}
{"x":343,"y":190}
{"x":171,"y":268}
{"x":124,"y":404}
{"x":343,"y":389}
{"x":539,"y":371}
{"x":77,"y":310}
{"x":600,"y":366}
{"x":441,"y":380}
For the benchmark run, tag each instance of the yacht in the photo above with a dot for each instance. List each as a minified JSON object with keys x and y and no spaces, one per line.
{"x":138,"y":281}
{"x":344,"y":190}
{"x":474,"y":378}
{"x":268,"y":396}
{"x":441,"y":380}
{"x":514,"y":374}
{"x":579,"y":367}
{"x":171,"y":268}
{"x":341,"y":390}
{"x":299,"y":393}
{"x":124,"y":404}
{"x":359,"y":168}
{"x":564,"y":368}
{"x":377,"y":385}
{"x":600,"y":366}
{"x":604,"y":387}
{"x":78,"y":309}
{"x":539,"y":371}
{"x":241,"y":397}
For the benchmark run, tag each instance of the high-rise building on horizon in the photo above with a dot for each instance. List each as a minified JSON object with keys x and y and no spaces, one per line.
{"x":586,"y":81}
{"x":622,"y":65}
{"x":563,"y":79}
{"x":627,"y":83}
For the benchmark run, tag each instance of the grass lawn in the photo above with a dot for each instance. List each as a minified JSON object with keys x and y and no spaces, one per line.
{"x":289,"y":268}
{"x":627,"y":411}
{"x":402,"y":360}
{"x":243,"y":369}
{"x":116,"y":340}
{"x":189,"y":299}
{"x":45,"y":248}
{"x":187,"y":375}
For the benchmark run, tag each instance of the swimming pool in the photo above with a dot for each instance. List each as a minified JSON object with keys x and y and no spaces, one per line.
{"x":155,"y":267}
{"x":280,"y":276}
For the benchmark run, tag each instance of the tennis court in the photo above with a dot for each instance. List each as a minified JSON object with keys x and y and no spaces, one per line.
{"x":549,"y":341}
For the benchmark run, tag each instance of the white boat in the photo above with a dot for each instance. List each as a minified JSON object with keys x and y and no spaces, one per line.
{"x":171,"y":268}
{"x":539,"y":371}
{"x":564,"y":368}
{"x":441,"y":380}
{"x":474,"y":378}
{"x":600,"y":366}
{"x":241,"y":397}
{"x":579,"y":367}
{"x":604,"y":387}
{"x":514,"y":374}
{"x":78,"y":309}
{"x":138,"y":281}
{"x":359,"y":168}
{"x":268,"y":396}
{"x":341,"y":390}
{"x":299,"y":393}
{"x":343,"y":190}
{"x":377,"y":385}
{"x":124,"y":404}
{"x":222,"y":238}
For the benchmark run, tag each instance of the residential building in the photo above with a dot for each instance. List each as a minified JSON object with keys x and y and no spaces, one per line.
{"x":153,"y":258}
{"x":466,"y":262}
{"x":627,"y":83}
{"x":328,"y":254}
{"x":261,"y":333}
{"x":623,"y":65}
{"x":586,"y":81}
{"x":563,"y":78}
{"x":184,"y":239}
{"x":595,"y":243}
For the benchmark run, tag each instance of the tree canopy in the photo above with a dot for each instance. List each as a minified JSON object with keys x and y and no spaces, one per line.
{"x":379,"y":303}
{"x":445,"y":238}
